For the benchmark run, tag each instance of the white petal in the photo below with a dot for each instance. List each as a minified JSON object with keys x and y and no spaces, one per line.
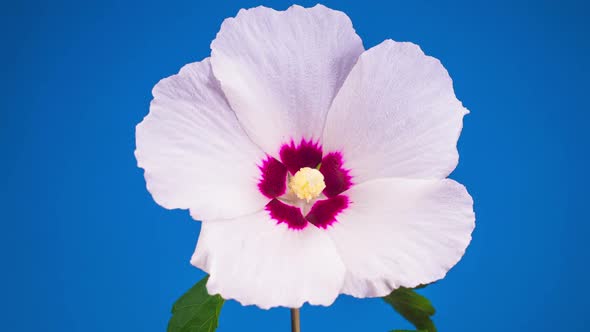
{"x":396,"y":116}
{"x":193,"y":150}
{"x":280,"y":70}
{"x":255,"y":261}
{"x":402,"y":232}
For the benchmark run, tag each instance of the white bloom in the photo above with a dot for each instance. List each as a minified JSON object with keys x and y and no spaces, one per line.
{"x":316,"y":167}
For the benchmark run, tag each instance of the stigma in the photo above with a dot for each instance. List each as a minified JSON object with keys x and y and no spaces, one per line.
{"x":308,"y":183}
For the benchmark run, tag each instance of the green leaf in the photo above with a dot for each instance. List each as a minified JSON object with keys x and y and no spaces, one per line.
{"x":413,"y":307}
{"x":196,"y":310}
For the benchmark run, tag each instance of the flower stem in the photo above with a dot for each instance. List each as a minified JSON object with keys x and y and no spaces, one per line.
{"x":295,"y":323}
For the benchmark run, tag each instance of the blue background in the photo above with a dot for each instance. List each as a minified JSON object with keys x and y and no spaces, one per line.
{"x":84,"y":247}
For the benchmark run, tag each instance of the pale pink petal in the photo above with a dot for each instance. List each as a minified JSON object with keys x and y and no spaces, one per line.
{"x":280,"y":70}
{"x":255,"y":260}
{"x":401,"y":232}
{"x":396,"y":116}
{"x":193,"y":150}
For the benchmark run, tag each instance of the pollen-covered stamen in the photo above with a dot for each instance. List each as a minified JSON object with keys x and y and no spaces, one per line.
{"x":307,"y":183}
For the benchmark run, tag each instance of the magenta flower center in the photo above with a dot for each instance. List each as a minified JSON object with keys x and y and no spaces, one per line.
{"x":285,"y":205}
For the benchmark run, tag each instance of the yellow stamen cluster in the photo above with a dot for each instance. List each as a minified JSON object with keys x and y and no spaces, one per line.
{"x":307,"y":183}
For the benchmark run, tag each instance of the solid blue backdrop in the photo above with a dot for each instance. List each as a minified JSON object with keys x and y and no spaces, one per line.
{"x":85,"y":248}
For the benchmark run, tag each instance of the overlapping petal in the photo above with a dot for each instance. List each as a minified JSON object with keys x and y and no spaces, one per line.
{"x":280,"y":70}
{"x":396,"y":115}
{"x":401,"y":232}
{"x":255,"y":260}
{"x":193,"y":150}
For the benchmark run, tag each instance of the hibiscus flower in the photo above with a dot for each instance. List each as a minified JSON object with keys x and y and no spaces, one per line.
{"x":316,"y":167}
